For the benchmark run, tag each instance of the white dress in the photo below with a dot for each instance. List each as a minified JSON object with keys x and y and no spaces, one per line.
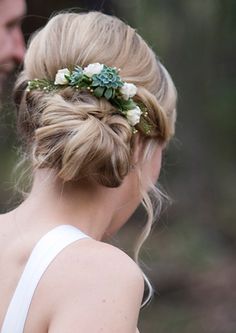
{"x":41,"y":256}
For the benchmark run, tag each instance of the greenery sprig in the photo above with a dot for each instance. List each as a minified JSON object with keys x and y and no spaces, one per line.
{"x":101,"y":81}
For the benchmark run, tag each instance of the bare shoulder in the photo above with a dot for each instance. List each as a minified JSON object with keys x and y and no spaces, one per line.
{"x":93,"y":262}
{"x":94,"y":255}
{"x":113,"y":257}
{"x":99,"y":282}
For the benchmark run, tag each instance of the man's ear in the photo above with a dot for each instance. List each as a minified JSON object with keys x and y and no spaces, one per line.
{"x":138,"y":147}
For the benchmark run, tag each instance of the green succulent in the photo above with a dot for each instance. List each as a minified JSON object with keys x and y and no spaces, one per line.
{"x":106,"y":82}
{"x":76,"y":76}
{"x":108,"y":78}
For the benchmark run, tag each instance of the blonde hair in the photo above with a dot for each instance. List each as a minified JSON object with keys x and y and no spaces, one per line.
{"x":77,"y":134}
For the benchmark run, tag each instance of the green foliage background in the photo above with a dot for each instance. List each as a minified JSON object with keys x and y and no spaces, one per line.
{"x":190,"y":256}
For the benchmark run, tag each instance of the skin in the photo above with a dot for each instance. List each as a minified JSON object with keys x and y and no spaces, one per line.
{"x":92,"y":283}
{"x":11,"y":38}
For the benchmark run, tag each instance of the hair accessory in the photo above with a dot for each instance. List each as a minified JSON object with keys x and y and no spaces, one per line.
{"x":101,"y":81}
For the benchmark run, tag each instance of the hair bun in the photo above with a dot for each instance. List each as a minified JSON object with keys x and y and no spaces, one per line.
{"x":83,"y":140}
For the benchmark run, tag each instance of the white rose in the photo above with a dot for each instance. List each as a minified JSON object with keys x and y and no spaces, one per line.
{"x":60,"y":76}
{"x":133,"y":116}
{"x":92,"y":69}
{"x":128,"y":90}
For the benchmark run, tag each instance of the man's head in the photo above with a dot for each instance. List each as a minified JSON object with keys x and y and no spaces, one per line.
{"x":12,"y":45}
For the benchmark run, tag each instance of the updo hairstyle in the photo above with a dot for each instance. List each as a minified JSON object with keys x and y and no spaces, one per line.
{"x":73,"y":132}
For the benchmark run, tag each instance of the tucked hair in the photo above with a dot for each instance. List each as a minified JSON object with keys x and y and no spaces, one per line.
{"x":75,"y":133}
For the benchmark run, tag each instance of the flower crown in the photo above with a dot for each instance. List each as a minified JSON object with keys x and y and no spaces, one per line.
{"x":101,"y":81}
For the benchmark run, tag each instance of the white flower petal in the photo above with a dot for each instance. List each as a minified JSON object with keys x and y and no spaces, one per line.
{"x":60,"y":76}
{"x":133,"y":116}
{"x":128,"y":90}
{"x":92,"y":69}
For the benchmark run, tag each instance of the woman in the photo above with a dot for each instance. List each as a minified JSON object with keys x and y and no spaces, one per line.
{"x":95,"y":110}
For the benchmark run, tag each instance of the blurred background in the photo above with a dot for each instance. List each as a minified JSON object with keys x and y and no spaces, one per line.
{"x":190,"y":254}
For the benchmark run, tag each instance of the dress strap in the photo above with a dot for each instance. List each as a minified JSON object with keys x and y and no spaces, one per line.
{"x":42,"y":255}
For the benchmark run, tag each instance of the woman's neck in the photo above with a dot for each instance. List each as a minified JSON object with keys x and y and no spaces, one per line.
{"x":90,"y":208}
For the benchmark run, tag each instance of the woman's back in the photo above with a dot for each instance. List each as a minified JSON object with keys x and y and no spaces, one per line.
{"x":81,"y":276}
{"x":15,"y":248}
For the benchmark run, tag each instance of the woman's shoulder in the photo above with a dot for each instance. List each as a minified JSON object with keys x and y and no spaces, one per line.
{"x":99,"y":256}
{"x":90,"y":262}
{"x":95,"y":280}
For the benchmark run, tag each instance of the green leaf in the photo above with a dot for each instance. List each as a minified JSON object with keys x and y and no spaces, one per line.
{"x":87,"y":79}
{"x":113,"y":94}
{"x":116,"y":103}
{"x":98,"y":92}
{"x":67,"y":77}
{"x":131,"y":104}
{"x":108,"y":93}
{"x":127,"y":105}
{"x":83,"y":85}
